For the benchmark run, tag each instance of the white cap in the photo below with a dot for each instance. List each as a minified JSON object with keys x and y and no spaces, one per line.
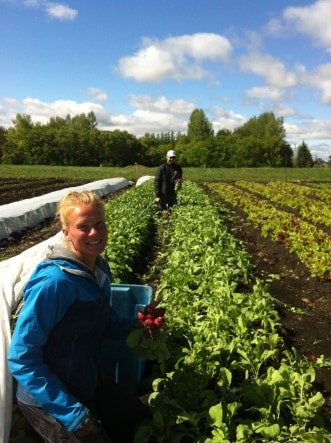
{"x":171,"y":153}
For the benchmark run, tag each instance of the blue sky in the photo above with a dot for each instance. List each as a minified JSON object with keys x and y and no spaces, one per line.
{"x":145,"y":65}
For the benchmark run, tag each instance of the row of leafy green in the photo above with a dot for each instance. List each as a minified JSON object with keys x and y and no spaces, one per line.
{"x":130,"y":219}
{"x":290,"y":195}
{"x":323,"y":189}
{"x":320,"y":191}
{"x":311,"y":245}
{"x":229,"y":377}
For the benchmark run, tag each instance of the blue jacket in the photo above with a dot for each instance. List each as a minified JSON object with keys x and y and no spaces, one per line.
{"x":53,"y":352}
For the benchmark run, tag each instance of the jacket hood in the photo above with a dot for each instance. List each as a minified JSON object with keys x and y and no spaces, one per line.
{"x":59,"y":252}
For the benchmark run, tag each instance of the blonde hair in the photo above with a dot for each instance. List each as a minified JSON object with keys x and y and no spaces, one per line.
{"x":72,"y":199}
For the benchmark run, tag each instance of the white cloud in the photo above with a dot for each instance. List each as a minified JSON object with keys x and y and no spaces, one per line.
{"x":43,"y":111}
{"x":316,"y":134}
{"x":310,"y":129}
{"x":224,"y":119}
{"x":272,"y":71}
{"x":200,"y":46}
{"x":320,"y":149}
{"x":276,"y":28}
{"x":152,"y":115}
{"x":6,"y":116}
{"x":269,"y":99}
{"x":162,"y":104}
{"x":148,"y":65}
{"x":311,"y":20}
{"x":266,"y":92}
{"x":97,"y":94}
{"x":320,"y":78}
{"x":175,"y":58}
{"x":283,"y":110}
{"x":57,"y":11}
{"x":60,"y":12}
{"x":142,"y":121}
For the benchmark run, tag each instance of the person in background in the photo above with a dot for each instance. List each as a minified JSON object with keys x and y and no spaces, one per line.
{"x":54,"y":349}
{"x":167,"y":177}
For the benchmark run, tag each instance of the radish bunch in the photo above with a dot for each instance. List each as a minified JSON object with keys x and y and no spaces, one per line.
{"x":152,"y":317}
{"x":148,"y":338}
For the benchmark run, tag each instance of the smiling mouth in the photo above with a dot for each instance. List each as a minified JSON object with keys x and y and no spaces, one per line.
{"x":93,"y":243}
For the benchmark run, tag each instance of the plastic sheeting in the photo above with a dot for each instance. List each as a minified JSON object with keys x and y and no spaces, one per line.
{"x":17,"y":216}
{"x":143,"y":179}
{"x":15,"y":272}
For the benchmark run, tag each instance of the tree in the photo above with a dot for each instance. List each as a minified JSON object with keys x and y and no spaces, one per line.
{"x":264,"y":137}
{"x":225,"y":141}
{"x":82,"y":121}
{"x":197,"y":153}
{"x":248,"y":152}
{"x":3,"y":133}
{"x":155,"y":146}
{"x":303,"y":158}
{"x":265,"y":125}
{"x":17,"y":145}
{"x":199,"y":127}
{"x":120,"y":148}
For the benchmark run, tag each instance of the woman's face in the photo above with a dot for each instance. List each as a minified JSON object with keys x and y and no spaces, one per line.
{"x":86,"y":232}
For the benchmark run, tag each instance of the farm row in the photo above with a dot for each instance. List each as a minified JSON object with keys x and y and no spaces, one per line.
{"x":16,"y":189}
{"x":229,"y":376}
{"x":299,"y":232}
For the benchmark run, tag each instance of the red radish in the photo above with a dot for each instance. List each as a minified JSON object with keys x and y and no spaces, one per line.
{"x":149,"y":322}
{"x":158,"y":322}
{"x":152,"y":316}
{"x":141,"y":316}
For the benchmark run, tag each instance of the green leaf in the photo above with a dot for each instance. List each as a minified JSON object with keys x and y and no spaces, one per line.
{"x":271,"y":431}
{"x":216,"y":414}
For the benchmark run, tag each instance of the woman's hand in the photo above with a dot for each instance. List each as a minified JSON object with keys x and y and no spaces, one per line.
{"x":89,"y":427}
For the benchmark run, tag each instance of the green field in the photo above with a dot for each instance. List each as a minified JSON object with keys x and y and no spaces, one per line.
{"x":194,"y":174}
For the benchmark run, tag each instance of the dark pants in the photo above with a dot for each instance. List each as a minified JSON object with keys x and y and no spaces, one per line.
{"x":119,"y":413}
{"x":167,"y":201}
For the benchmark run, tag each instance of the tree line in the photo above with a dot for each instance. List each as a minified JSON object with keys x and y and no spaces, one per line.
{"x":76,"y":141}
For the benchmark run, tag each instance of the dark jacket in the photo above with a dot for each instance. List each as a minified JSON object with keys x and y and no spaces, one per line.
{"x":165,"y":179}
{"x":54,"y":347}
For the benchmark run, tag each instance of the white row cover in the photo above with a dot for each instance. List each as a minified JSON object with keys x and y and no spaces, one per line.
{"x":143,"y":179}
{"x":17,"y":216}
{"x":15,"y":272}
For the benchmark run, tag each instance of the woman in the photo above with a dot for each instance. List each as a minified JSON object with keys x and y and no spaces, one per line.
{"x":54,"y":349}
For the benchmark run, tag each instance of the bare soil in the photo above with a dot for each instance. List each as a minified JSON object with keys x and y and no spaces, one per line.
{"x":303,"y":302}
{"x":17,"y":189}
{"x":12,"y":190}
